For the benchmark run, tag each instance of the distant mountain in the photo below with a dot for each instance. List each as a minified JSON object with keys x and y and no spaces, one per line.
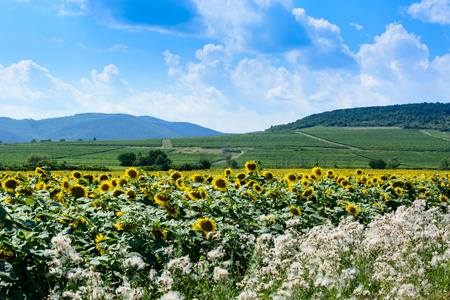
{"x":99,"y":126}
{"x":415,"y":116}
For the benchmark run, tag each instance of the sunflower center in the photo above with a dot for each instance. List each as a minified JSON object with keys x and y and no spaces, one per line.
{"x":352,"y":210}
{"x":295,"y":212}
{"x":207,"y":226}
{"x":221,"y":183}
{"x":78,"y":192}
{"x":11,"y":184}
{"x":157,"y":233}
{"x":132,"y":173}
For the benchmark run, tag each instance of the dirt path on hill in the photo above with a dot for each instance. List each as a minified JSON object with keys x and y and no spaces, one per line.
{"x":329,"y":142}
{"x":439,"y":137}
{"x":232,"y":157}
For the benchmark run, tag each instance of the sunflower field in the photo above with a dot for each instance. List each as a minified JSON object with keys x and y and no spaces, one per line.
{"x":225,"y":234}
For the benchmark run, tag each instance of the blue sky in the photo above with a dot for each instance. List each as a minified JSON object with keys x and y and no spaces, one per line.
{"x":231,"y":65}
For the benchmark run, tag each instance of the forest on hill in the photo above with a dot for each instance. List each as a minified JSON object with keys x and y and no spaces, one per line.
{"x":408,"y":116}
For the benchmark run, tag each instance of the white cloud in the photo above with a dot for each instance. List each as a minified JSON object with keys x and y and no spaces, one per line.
{"x":356,"y":25}
{"x":72,"y":7}
{"x":395,"y":55}
{"x":431,"y":11}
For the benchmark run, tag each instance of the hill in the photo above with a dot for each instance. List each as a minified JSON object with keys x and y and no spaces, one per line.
{"x":408,"y":116}
{"x":99,"y":126}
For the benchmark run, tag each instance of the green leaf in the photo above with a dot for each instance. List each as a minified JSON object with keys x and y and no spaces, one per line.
{"x":2,"y":214}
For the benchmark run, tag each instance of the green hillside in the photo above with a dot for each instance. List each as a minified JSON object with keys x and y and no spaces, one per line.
{"x":328,"y":147}
{"x":408,"y":116}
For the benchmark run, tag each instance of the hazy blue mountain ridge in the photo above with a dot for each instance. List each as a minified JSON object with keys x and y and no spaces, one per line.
{"x":96,"y":125}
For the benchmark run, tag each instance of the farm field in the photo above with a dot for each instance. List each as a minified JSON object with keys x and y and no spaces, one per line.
{"x":325,"y":147}
{"x":225,"y":234}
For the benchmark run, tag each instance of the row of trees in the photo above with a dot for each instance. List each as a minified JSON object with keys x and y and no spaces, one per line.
{"x":392,"y":163}
{"x":158,"y":160}
{"x":61,"y":140}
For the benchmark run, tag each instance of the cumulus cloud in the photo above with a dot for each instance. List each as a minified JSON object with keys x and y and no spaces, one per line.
{"x":32,"y":87}
{"x":431,"y":11}
{"x":327,"y":49}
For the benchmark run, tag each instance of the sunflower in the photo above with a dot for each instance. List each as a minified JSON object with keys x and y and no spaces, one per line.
{"x":398,"y":191}
{"x":331,"y":174}
{"x":76,"y":175}
{"x":273,"y":195}
{"x":114,"y":182}
{"x":173,"y":211}
{"x":175,"y":175}
{"x":251,"y":166}
{"x":122,"y":182}
{"x":159,"y":234}
{"x":241,"y":176}
{"x":308,"y":192}
{"x":26,"y":191}
{"x":132,"y":173}
{"x":220,"y":183}
{"x":11,"y":185}
{"x":118,"y":192}
{"x":123,"y":226}
{"x":358,"y":172}
{"x":197,"y":178}
{"x":103,"y":177}
{"x":105,"y":187}
{"x":90,"y":178}
{"x":163,"y":199}
{"x":443,"y":199}
{"x":257,"y":188}
{"x":206,"y":225}
{"x":78,"y":191}
{"x":65,"y":185}
{"x":409,"y":186}
{"x":295,"y":211}
{"x":40,"y":172}
{"x":352,"y":209}
{"x":197,"y":194}
{"x":228,"y":172}
{"x":291,"y":177}
{"x":99,"y":238}
{"x":313,"y":177}
{"x":268,"y":175}
{"x":305,"y":182}
{"x":131,"y":194}
{"x":318,"y":172}
{"x":4,"y":254}
{"x":179,"y":183}
{"x":344,"y":183}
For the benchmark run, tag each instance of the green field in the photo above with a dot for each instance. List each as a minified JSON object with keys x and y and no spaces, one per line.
{"x":323,"y":146}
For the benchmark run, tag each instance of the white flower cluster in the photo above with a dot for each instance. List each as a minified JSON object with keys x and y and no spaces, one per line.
{"x":66,"y":262}
{"x":395,"y":256}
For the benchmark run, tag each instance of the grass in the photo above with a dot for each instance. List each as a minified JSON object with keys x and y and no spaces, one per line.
{"x":338,"y":148}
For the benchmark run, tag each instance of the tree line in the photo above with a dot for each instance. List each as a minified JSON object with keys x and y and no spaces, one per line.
{"x":407,"y":116}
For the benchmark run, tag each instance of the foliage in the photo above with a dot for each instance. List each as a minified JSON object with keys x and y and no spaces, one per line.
{"x":127,"y":159}
{"x":377,"y":164}
{"x":444,"y":164}
{"x":408,"y":116}
{"x":152,"y":233}
{"x":393,"y":163}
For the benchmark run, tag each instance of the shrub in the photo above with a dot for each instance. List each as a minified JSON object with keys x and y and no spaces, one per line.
{"x":377,"y":164}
